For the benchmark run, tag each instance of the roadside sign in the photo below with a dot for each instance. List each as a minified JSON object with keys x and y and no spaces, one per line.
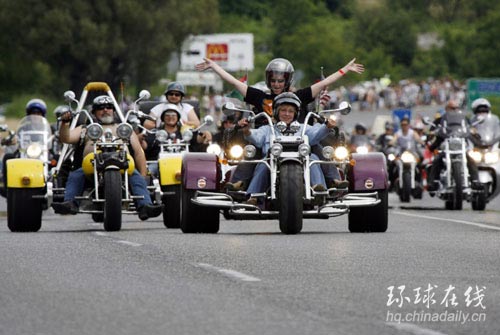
{"x":488,"y":88}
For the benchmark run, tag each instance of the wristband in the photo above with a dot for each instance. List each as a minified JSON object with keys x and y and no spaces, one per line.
{"x":341,"y":72}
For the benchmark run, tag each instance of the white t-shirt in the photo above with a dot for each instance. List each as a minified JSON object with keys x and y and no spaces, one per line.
{"x":160,"y":108}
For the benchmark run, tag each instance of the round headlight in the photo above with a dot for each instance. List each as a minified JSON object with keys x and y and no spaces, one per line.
{"x":407,"y":157}
{"x":295,"y":126}
{"x":187,"y":135}
{"x":34,"y":150}
{"x":161,"y":136}
{"x":491,"y":157}
{"x":362,"y":149}
{"x":391,"y":157}
{"x":214,"y":148}
{"x":281,"y":126}
{"x":124,"y":131}
{"x":328,"y":152}
{"x":236,"y":151}
{"x":304,"y":150}
{"x":341,"y":153}
{"x":94,"y":131}
{"x":250,"y":151}
{"x":276,"y":149}
{"x":476,"y":156}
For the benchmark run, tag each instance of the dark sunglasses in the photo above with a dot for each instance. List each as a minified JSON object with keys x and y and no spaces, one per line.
{"x":107,"y":106}
{"x":174,"y":94}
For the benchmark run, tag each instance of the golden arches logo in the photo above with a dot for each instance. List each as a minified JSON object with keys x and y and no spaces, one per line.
{"x":217,"y":51}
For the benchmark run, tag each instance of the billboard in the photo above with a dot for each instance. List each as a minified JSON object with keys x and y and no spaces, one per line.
{"x":233,"y":52}
{"x":488,"y":88}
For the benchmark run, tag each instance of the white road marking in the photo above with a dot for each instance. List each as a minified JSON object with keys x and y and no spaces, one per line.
{"x":228,"y":272}
{"x":414,"y":329}
{"x":132,"y":244}
{"x":482,"y":225}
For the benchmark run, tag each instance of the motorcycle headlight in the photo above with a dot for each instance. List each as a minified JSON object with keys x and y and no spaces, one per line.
{"x":341,"y":153}
{"x":94,"y":131}
{"x":124,"y":131}
{"x":276,"y":149}
{"x":34,"y":150}
{"x":304,"y":150}
{"x":407,"y":157}
{"x":214,"y":148}
{"x":295,"y":126}
{"x":362,"y":150}
{"x":455,"y":144}
{"x":391,"y":157}
{"x":187,"y":135}
{"x":281,"y":126}
{"x":161,"y":136}
{"x":236,"y":151}
{"x":476,"y":156}
{"x":491,"y":157}
{"x":250,"y":151}
{"x":328,"y":152}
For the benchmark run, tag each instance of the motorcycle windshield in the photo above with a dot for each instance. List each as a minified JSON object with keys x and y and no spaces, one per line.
{"x":489,"y":131}
{"x":33,"y":128}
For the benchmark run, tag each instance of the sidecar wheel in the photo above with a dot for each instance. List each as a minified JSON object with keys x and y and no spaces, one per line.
{"x":172,"y":207}
{"x":19,"y":219}
{"x":291,"y":193}
{"x":405,"y":192}
{"x":113,"y":200}
{"x":370,"y":219}
{"x":196,"y":219}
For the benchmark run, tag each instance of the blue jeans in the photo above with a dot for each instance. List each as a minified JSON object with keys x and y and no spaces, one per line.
{"x":261,"y":177}
{"x":76,"y":185}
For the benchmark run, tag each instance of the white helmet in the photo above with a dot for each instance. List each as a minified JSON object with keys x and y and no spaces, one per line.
{"x":481,"y":102}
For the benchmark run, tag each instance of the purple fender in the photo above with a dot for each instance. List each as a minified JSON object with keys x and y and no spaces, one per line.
{"x":201,"y":171}
{"x":369,"y":173}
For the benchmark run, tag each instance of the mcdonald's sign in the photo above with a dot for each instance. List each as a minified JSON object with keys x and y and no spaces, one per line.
{"x":217,"y":52}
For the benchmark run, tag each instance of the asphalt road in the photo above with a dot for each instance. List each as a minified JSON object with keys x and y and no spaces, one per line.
{"x":73,"y":278}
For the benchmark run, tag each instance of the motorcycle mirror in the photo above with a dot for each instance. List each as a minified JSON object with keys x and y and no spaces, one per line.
{"x":69,"y":96}
{"x":144,"y":94}
{"x":208,"y":120}
{"x":344,"y":108}
{"x":426,"y":120}
{"x":3,"y":127}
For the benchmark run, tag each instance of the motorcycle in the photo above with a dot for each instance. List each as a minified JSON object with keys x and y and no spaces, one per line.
{"x":486,"y":153}
{"x":409,"y":177}
{"x":28,"y":175}
{"x":108,"y":166}
{"x":169,"y":167}
{"x":290,"y":197}
{"x":454,"y":184}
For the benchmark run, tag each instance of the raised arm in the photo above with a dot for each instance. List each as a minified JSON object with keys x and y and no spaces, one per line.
{"x":351,"y":66}
{"x":208,"y":63}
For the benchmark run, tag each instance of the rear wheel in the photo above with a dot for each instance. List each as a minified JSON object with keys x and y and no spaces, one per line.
{"x":370,"y":219}
{"x":24,"y":214}
{"x":172,"y":207}
{"x":196,"y":219}
{"x":112,"y":200}
{"x":291,"y":193}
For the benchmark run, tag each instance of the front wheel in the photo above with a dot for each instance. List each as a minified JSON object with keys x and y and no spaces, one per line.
{"x":24,"y":214}
{"x":405,"y":191}
{"x":479,"y":199}
{"x":291,"y":193}
{"x":112,"y":200}
{"x":458,"y":195}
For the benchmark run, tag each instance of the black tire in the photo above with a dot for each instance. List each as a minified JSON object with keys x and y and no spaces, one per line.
{"x":24,"y":214}
{"x":405,"y":191}
{"x":196,"y":219}
{"x":291,"y":198}
{"x":113,"y":200}
{"x":479,"y":200}
{"x":172,"y":207}
{"x":458,"y":196}
{"x":373,"y":219}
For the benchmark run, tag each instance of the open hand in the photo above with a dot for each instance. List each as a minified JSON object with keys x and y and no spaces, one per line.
{"x":354,"y":67}
{"x":206,"y":64}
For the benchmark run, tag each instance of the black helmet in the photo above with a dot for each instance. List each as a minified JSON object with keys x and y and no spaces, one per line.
{"x":389,"y":126}
{"x":175,"y":86}
{"x":481,"y":105}
{"x":36,"y":105}
{"x":280,"y":66}
{"x":360,"y":127}
{"x":286,"y":98}
{"x":102,"y":101}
